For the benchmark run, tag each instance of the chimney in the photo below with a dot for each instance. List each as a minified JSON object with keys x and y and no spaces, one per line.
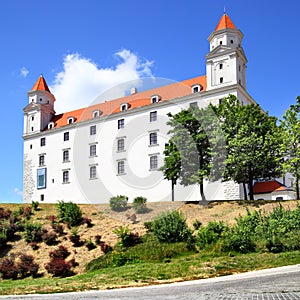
{"x":133,"y":91}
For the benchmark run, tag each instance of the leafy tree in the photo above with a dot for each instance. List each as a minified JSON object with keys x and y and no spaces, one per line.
{"x":252,"y":142}
{"x":188,"y":153}
{"x":291,"y":142}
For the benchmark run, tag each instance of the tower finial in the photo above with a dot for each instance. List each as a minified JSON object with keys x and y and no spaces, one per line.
{"x":224,"y":10}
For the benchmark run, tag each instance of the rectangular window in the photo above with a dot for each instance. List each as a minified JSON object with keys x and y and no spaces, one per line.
{"x":93,"y":150}
{"x":66,"y":178}
{"x":221,"y":79}
{"x":193,"y":105}
{"x":66,"y":136}
{"x":121,"y":144}
{"x":153,"y":138}
{"x":121,"y":123}
{"x":93,"y":130}
{"x":43,"y":142}
{"x":153,"y":116}
{"x":220,"y":66}
{"x":153,"y":162}
{"x":41,"y":160}
{"x":41,"y":178}
{"x":121,"y":167}
{"x":66,"y":156}
{"x":93,"y":172}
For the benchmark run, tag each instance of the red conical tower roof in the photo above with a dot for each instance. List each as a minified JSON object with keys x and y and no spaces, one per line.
{"x":224,"y":23}
{"x":41,"y":85}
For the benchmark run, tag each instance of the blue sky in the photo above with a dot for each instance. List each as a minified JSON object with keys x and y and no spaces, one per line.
{"x":113,"y":41}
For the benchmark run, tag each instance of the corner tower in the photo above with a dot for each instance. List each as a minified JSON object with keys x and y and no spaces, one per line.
{"x":226,"y":62}
{"x":40,"y":110}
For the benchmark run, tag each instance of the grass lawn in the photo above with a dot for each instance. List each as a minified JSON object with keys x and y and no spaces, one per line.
{"x":194,"y":266}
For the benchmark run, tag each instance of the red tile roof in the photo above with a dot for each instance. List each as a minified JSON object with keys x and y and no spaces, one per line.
{"x":168,"y":92}
{"x":225,"y":22}
{"x":40,"y":85}
{"x":268,"y":187}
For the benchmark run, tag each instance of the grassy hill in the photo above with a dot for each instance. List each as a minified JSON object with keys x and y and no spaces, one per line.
{"x":105,"y":222}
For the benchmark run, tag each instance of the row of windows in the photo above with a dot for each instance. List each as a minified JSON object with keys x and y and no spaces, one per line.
{"x":153,"y":162}
{"x":93,"y":129}
{"x":93,"y":149}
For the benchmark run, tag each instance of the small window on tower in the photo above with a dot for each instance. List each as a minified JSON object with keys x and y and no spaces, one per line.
{"x":41,"y":99}
{"x":221,"y":79}
{"x":221,"y":42}
{"x":231,"y":41}
{"x":32,"y":118}
{"x":220,"y":66}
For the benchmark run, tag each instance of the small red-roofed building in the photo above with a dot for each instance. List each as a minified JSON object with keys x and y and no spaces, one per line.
{"x":116,"y":145}
{"x":272,"y":190}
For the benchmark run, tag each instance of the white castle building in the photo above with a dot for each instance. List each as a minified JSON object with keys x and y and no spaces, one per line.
{"x":116,"y":147}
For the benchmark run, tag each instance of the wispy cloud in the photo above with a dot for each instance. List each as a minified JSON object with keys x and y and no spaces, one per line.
{"x":81,"y":80}
{"x":24,"y":72}
{"x":18,"y":192}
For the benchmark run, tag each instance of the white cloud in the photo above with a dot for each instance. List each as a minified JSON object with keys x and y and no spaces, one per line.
{"x":18,"y":192}
{"x":24,"y":72}
{"x":81,"y":80}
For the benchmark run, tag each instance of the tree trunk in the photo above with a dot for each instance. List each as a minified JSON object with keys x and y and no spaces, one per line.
{"x":202,"y":192}
{"x":245,"y":191}
{"x":297,"y":187}
{"x":173,"y":190}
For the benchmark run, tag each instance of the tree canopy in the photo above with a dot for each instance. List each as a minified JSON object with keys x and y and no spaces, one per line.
{"x":290,"y":125}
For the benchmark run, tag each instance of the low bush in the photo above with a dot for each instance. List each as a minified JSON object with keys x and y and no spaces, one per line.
{"x":3,"y":236}
{"x":126,"y":237}
{"x":171,"y":227}
{"x":89,"y":244}
{"x":26,"y":266}
{"x":8,"y":268}
{"x":60,"y":252}
{"x":58,"y":267}
{"x":35,"y":205}
{"x":49,"y":238}
{"x":118,"y":203}
{"x":33,"y":232}
{"x":210,"y":234}
{"x":69,"y":213}
{"x":139,"y":205}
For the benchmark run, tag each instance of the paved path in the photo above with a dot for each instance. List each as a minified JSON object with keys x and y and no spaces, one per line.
{"x":272,"y":284}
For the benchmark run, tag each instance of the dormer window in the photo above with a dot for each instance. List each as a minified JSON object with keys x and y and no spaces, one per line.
{"x":71,"y":120}
{"x":96,"y":113}
{"x":50,"y":125}
{"x":124,"y":106}
{"x":196,"y":88}
{"x":155,"y":98}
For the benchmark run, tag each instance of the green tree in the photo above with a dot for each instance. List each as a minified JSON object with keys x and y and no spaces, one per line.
{"x":187,"y":155}
{"x":291,"y":142}
{"x":172,"y":166}
{"x":252,"y":142}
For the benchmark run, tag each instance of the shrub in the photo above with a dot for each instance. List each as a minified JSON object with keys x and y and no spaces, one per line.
{"x":8,"y":268}
{"x":26,"y":266}
{"x":197,"y":224}
{"x":35,"y":205}
{"x":49,"y":238}
{"x":139,"y":205}
{"x":4,"y":213}
{"x":75,"y":238}
{"x":69,"y":212}
{"x":58,"y":228}
{"x":238,"y":239}
{"x":59,"y":267}
{"x":98,"y":239}
{"x":210,"y":234}
{"x":149,"y":226}
{"x":34,"y":245}
{"x":87,"y":221}
{"x":89,"y":244}
{"x":33,"y":232}
{"x":118,"y":203}
{"x":60,"y":252}
{"x":105,"y":248}
{"x":3,"y":236}
{"x":126,"y":238}
{"x":171,"y":227}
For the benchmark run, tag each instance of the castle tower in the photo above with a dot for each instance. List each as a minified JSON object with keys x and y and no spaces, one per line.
{"x":40,"y":110}
{"x":226,"y":61}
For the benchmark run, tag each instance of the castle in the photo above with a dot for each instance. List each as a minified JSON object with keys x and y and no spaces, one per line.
{"x":116,"y":146}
